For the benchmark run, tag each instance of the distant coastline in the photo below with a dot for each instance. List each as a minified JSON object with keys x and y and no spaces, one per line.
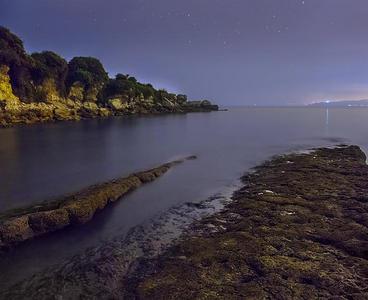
{"x":341,"y":103}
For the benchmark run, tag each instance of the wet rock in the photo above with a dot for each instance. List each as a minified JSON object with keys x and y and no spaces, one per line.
{"x":100,"y":272}
{"x":302,"y":235}
{"x":15,"y":230}
{"x":48,"y":221}
{"x":27,"y":223}
{"x":117,"y":104}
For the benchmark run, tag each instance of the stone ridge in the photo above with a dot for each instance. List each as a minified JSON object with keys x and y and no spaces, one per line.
{"x":298,"y":229}
{"x":23,"y":224}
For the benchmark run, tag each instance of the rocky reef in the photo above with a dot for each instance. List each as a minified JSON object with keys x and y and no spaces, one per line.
{"x":22,"y":224}
{"x":44,"y":87}
{"x":298,"y":229}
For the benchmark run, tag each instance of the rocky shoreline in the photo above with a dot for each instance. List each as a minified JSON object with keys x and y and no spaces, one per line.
{"x":44,"y":87}
{"x":99,"y":272}
{"x":23,"y":224}
{"x":66,"y":110}
{"x":297,"y":229}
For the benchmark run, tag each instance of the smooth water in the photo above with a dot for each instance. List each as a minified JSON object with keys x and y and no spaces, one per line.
{"x":43,"y":161}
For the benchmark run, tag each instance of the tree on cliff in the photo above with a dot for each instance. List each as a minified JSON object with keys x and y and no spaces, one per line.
{"x":28,"y":72}
{"x":13,"y":55}
{"x":87,"y":70}
{"x":128,"y":86}
{"x":49,"y":65}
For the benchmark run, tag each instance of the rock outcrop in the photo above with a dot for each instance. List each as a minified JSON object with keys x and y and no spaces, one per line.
{"x":24,"y":224}
{"x":43,"y":87}
{"x":298,"y":229}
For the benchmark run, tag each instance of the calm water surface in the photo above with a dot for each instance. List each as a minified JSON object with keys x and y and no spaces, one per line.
{"x":44,"y":161}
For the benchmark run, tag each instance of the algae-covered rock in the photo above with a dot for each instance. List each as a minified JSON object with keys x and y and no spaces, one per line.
{"x":49,"y":221}
{"x":299,"y":233}
{"x":15,"y":230}
{"x":27,"y":223}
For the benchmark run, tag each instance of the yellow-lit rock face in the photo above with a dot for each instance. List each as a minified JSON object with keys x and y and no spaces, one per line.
{"x":90,"y":94}
{"x":117,"y":104}
{"x":76,"y":92}
{"x":6,"y":91}
{"x":104,"y":112}
{"x":90,"y":106}
{"x":49,"y":91}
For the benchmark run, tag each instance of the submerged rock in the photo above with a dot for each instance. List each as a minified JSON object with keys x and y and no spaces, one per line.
{"x":26,"y":223}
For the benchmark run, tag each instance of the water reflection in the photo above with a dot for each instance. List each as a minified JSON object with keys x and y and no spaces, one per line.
{"x":43,"y":161}
{"x":327,"y":121}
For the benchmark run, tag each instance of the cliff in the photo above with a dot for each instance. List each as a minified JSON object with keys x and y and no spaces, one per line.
{"x":45,"y":87}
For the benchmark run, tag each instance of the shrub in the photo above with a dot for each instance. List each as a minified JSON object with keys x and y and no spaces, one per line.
{"x":13,"y":55}
{"x":48,"y":64}
{"x":87,"y":70}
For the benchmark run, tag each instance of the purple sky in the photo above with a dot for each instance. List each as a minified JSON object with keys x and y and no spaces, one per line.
{"x":230,"y":51}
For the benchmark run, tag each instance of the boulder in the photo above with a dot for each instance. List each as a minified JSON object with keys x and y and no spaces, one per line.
{"x":117,"y":104}
{"x":76,"y":92}
{"x":104,"y":112}
{"x":89,"y":110}
{"x":15,"y":230}
{"x":49,"y":221}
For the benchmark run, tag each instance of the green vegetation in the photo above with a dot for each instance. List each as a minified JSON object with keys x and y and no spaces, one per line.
{"x":28,"y":71}
{"x":13,"y":55}
{"x":44,"y":87}
{"x":87,"y":70}
{"x":126,"y":85}
{"x":49,"y":65}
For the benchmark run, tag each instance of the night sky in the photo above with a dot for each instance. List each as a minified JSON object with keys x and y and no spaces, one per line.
{"x":230,"y":51}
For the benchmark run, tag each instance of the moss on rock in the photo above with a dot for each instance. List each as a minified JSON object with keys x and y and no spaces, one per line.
{"x":300,"y":232}
{"x":22,"y":224}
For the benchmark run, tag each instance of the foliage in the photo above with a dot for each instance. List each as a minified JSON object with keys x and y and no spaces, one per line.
{"x":28,"y":71}
{"x":126,"y":85}
{"x":87,"y":70}
{"x":13,"y":55}
{"x":48,"y":64}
